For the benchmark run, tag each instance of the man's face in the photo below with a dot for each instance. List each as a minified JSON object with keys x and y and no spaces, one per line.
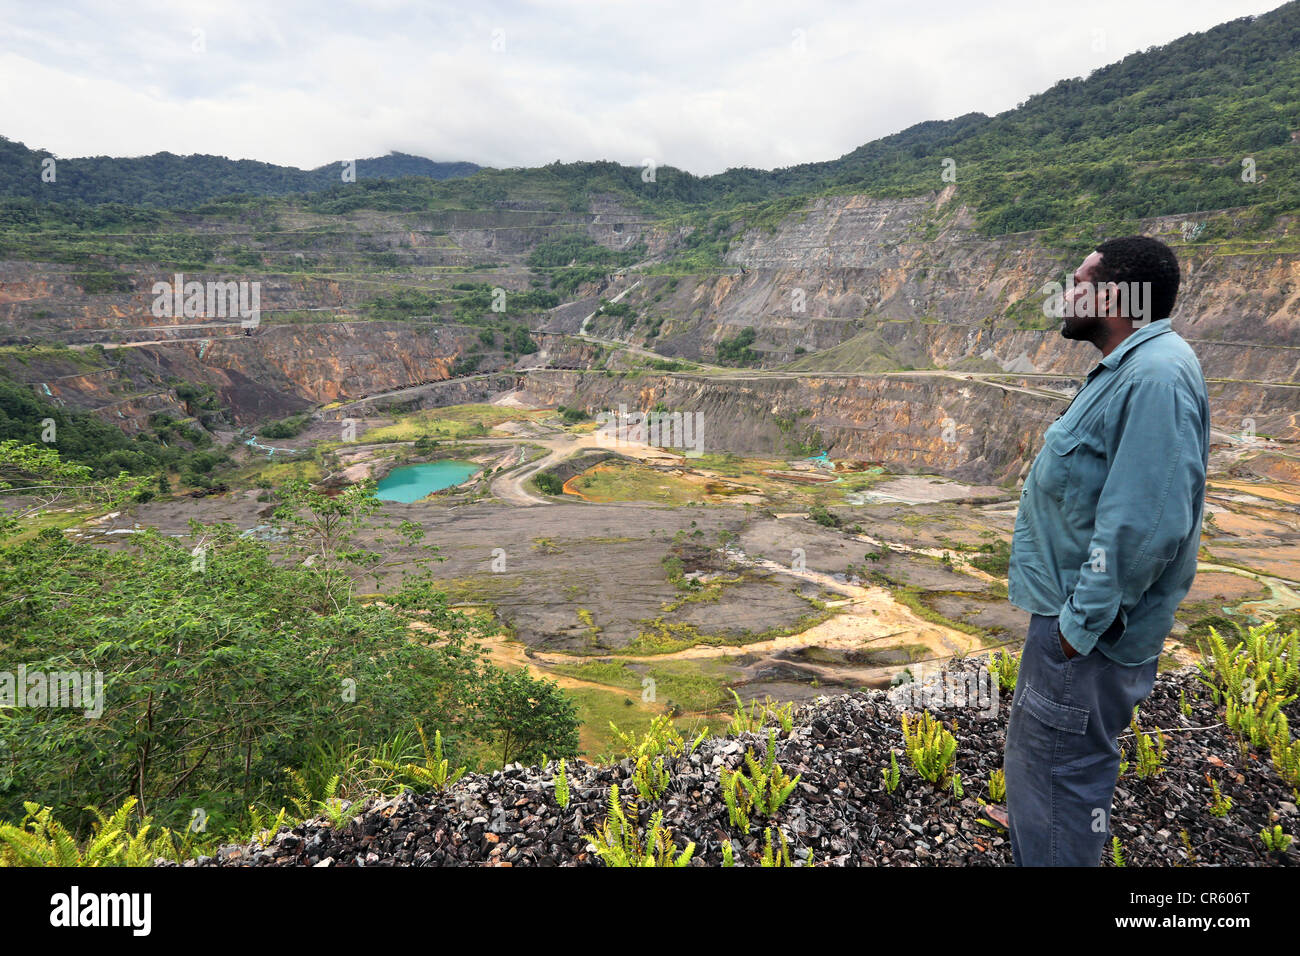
{"x":1082,"y":319}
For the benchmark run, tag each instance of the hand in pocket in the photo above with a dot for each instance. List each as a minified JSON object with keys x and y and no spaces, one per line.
{"x":1066,"y":649}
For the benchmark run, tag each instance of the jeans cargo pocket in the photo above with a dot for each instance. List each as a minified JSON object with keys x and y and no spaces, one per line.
{"x":1073,"y":720}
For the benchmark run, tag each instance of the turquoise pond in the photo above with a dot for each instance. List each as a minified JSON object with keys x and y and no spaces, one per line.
{"x":412,"y":482}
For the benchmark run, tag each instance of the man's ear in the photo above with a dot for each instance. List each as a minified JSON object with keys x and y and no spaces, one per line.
{"x":1106,"y":300}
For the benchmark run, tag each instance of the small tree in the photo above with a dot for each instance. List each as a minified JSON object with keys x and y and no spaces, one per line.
{"x":529,"y":717}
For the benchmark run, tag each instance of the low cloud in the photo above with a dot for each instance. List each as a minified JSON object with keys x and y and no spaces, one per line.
{"x":695,"y":85}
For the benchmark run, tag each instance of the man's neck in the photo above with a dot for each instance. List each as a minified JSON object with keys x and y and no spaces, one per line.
{"x":1110,"y":335}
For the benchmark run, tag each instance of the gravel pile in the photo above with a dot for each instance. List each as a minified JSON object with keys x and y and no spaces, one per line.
{"x":840,"y":811}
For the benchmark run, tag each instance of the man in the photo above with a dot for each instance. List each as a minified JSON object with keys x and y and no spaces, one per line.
{"x":1104,"y":550}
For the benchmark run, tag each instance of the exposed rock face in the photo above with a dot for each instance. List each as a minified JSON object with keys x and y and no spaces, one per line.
{"x":912,"y":272}
{"x":850,"y":284}
{"x":981,"y":431}
{"x":280,"y":370}
{"x":974,"y":431}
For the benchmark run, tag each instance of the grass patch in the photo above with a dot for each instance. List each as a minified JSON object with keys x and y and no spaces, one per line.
{"x":678,"y":685}
{"x":625,"y":481}
{"x":453,"y":422}
{"x":278,"y":472}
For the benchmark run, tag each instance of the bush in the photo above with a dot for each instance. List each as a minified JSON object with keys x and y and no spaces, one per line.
{"x":548,"y":483}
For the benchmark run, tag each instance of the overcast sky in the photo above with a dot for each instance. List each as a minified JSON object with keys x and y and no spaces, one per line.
{"x":698,"y":84}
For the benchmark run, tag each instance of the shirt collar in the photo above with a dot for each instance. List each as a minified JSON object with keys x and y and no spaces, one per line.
{"x":1148,"y":331}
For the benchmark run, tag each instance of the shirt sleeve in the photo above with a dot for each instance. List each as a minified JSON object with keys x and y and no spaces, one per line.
{"x":1145,"y":510}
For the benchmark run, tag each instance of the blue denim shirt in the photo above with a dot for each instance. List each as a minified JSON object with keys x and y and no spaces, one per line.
{"x":1109,"y":524}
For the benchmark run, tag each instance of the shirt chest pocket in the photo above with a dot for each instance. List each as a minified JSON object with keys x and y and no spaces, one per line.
{"x":1056,"y":463}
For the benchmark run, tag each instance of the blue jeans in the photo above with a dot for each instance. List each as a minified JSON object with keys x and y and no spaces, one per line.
{"x":1062,"y":752}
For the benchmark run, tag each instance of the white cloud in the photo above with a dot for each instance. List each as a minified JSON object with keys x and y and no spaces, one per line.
{"x":703,"y":86}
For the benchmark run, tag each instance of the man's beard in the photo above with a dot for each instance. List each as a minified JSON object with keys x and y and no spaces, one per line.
{"x":1080,"y":327}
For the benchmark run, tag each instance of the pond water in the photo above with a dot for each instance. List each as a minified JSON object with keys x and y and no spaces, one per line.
{"x":412,"y":482}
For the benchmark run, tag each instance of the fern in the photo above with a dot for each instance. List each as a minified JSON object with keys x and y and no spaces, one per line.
{"x":661,"y":739}
{"x":41,"y":840}
{"x":759,"y":715}
{"x":1220,"y":805}
{"x":562,"y":786}
{"x":618,"y":843}
{"x":1006,"y":668}
{"x":778,"y":858}
{"x":1275,"y":841}
{"x":434,"y":773}
{"x":761,"y":791}
{"x":1150,"y":751}
{"x":931,"y":748}
{"x":891,"y":773}
{"x":328,"y":805}
{"x":1285,"y":752}
{"x":998,"y":786}
{"x":650,"y":778}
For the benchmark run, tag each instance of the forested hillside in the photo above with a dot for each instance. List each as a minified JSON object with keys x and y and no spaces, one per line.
{"x":165,"y":180}
{"x":1161,"y":131}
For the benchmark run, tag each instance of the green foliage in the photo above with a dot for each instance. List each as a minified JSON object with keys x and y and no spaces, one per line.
{"x":433,"y":774}
{"x":326,"y":802}
{"x":824,"y":517}
{"x":35,"y":478}
{"x":1285,"y":752}
{"x":931,"y":748}
{"x":83,"y":438}
{"x":221,"y":665}
{"x":1263,"y":661}
{"x":1220,"y":804}
{"x":780,"y":855}
{"x":615,"y":309}
{"x":619,"y":843}
{"x":998,"y":786}
{"x":651,"y":778}
{"x":165,"y":180}
{"x":1150,"y":751}
{"x":891,"y":774}
{"x":736,"y":350}
{"x":1253,"y":680}
{"x":548,"y":483}
{"x":762,"y":791}
{"x":1006,"y":669}
{"x":997,"y":560}
{"x":1275,"y":841}
{"x":661,"y":738}
{"x":41,"y":840}
{"x":286,"y":427}
{"x":562,"y":786}
{"x":577,"y":249}
{"x":759,"y":715}
{"x":529,"y":717}
{"x":1116,"y":854}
